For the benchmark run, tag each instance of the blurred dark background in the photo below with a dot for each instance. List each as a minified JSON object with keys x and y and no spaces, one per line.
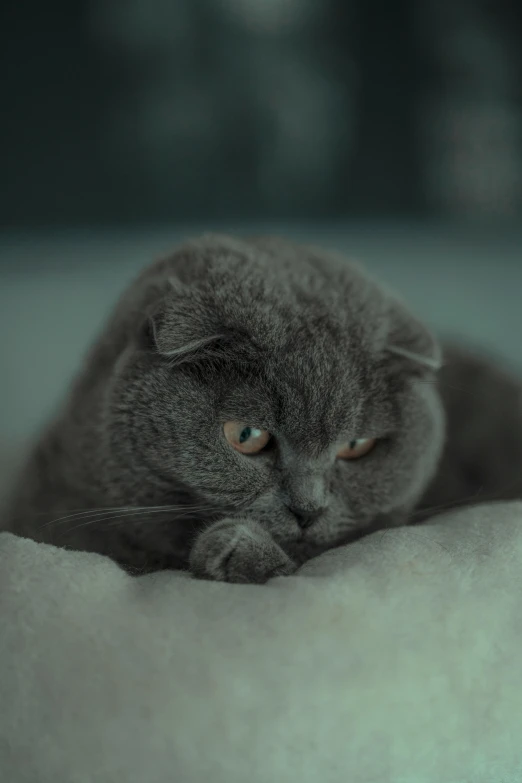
{"x":146,"y":111}
{"x":391,"y":131}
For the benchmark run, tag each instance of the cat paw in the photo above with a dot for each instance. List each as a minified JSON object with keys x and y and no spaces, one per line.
{"x":238,"y":550}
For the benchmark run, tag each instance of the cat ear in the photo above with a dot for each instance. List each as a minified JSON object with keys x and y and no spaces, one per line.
{"x":182,"y":327}
{"x":178,"y":328}
{"x":409,"y":341}
{"x":179,"y":350}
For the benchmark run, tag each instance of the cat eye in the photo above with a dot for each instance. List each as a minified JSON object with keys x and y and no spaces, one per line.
{"x":357,"y":448}
{"x":245,"y":439}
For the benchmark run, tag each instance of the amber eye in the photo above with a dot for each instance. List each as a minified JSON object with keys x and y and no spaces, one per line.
{"x":356,"y":448}
{"x":246,"y":439}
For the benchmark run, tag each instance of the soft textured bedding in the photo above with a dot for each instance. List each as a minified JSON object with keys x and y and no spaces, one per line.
{"x":394,"y":660}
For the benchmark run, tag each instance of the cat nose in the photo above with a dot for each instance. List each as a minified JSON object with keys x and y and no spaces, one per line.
{"x":306,"y":517}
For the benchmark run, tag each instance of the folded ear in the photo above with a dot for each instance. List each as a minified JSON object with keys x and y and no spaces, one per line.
{"x":182,"y":326}
{"x":178,"y":324}
{"x":409,"y":341}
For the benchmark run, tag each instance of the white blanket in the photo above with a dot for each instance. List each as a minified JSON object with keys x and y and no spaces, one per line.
{"x":397,"y":659}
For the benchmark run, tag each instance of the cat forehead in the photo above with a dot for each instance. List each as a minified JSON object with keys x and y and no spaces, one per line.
{"x":258,"y":265}
{"x":314,"y":412}
{"x":306,"y":396}
{"x":306,"y":315}
{"x":290,"y":307}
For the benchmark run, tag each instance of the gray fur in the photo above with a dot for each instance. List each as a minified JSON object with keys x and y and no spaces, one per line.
{"x":284,"y":337}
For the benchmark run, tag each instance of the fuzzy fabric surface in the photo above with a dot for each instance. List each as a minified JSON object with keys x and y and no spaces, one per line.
{"x":393,"y":660}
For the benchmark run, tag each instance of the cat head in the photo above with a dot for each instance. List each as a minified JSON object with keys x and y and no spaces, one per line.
{"x":274,"y":381}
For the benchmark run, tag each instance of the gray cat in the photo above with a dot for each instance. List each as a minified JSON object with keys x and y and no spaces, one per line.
{"x":253,"y":403}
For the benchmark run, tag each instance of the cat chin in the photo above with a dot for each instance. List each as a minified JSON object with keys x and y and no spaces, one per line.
{"x":352,"y":529}
{"x":324,"y":534}
{"x":314,"y":543}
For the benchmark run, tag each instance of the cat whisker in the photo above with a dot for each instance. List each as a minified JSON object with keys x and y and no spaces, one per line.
{"x":496,"y":496}
{"x":440,"y":383}
{"x":506,"y":490}
{"x":93,"y":512}
{"x":451,"y":504}
{"x":117,"y":519}
{"x":79,"y":512}
{"x":92,"y":517}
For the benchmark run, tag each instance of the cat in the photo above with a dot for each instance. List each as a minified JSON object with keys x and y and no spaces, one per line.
{"x":253,"y":403}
